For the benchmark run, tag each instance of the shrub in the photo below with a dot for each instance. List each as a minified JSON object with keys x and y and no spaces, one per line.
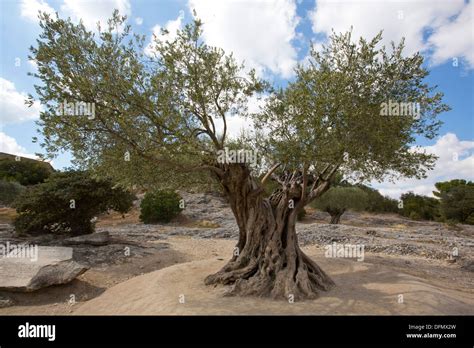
{"x":25,"y":172}
{"x":445,"y":186}
{"x":338,"y":199}
{"x":301,"y":215}
{"x":457,"y":204}
{"x":414,"y":215}
{"x":418,"y":207}
{"x":378,"y":203}
{"x":9,"y":191}
{"x":66,"y":203}
{"x":457,"y":200}
{"x":160,"y":206}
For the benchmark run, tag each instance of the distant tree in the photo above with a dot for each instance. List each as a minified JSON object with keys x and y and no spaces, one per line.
{"x":445,"y":186}
{"x":24,"y":172}
{"x":66,"y":202}
{"x":419,"y":207}
{"x":377,"y":203}
{"x":337,"y":200}
{"x":457,"y":200}
{"x":9,"y":190}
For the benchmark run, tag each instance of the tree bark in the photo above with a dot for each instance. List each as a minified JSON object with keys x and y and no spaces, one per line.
{"x":336,"y":216}
{"x":268,"y":261}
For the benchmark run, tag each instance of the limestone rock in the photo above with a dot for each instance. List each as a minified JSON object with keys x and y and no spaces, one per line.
{"x":29,"y":268}
{"x":97,"y":239}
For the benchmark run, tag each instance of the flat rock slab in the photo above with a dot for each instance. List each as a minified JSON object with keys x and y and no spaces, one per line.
{"x":97,"y":239}
{"x":34,"y":267}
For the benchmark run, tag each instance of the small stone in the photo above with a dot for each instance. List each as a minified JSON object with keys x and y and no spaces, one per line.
{"x":6,"y":302}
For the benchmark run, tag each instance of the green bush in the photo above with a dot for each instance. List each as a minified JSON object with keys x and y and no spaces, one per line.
{"x":160,"y":206}
{"x":415,"y":215}
{"x":25,"y":172}
{"x":457,"y":200}
{"x":301,"y":215}
{"x":377,"y":203}
{"x":9,"y":191}
{"x":66,"y":203}
{"x":458,"y":204}
{"x":418,"y":207}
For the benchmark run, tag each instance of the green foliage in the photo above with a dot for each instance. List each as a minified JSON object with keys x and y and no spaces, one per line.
{"x":339,"y":199}
{"x":9,"y":191}
{"x":378,"y":203}
{"x":331,"y":113}
{"x":444,"y":186}
{"x":162,"y":110}
{"x":301,"y":215}
{"x":24,"y":172}
{"x":457,"y":202}
{"x":342,"y":198}
{"x":66,"y":202}
{"x":418,"y":207}
{"x":160,"y":206}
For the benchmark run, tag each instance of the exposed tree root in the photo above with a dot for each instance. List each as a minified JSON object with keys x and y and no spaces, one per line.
{"x":269,"y":262}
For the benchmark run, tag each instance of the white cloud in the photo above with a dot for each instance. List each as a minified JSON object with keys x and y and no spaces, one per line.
{"x":171,"y":26}
{"x":9,"y":145}
{"x":236,"y":124}
{"x":92,"y":11}
{"x":29,"y":9}
{"x":455,"y":39}
{"x":33,"y":63}
{"x":89,"y":11}
{"x":456,"y":161}
{"x":409,"y":19}
{"x":12,"y":105}
{"x":139,"y":20}
{"x":257,"y":31}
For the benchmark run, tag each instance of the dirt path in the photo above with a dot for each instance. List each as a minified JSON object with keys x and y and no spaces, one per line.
{"x":363,"y":288}
{"x":155,"y":285}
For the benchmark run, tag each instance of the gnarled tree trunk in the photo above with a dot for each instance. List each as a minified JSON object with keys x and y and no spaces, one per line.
{"x":268,"y":261}
{"x":336,"y":215}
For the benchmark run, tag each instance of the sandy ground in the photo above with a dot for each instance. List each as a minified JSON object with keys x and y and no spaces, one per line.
{"x":157,"y":285}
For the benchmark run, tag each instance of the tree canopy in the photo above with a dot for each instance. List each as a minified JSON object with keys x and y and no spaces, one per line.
{"x":25,"y":172}
{"x":169,"y":111}
{"x":456,"y":200}
{"x":162,"y":110}
{"x":332,"y":112}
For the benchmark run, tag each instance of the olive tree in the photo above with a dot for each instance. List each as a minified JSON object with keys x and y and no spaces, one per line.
{"x":337,"y":200}
{"x":171,"y":108}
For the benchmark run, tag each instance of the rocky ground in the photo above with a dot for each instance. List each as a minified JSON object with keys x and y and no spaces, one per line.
{"x":125,"y":248}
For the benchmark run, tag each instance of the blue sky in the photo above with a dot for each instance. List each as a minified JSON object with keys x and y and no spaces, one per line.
{"x":272,"y":37}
